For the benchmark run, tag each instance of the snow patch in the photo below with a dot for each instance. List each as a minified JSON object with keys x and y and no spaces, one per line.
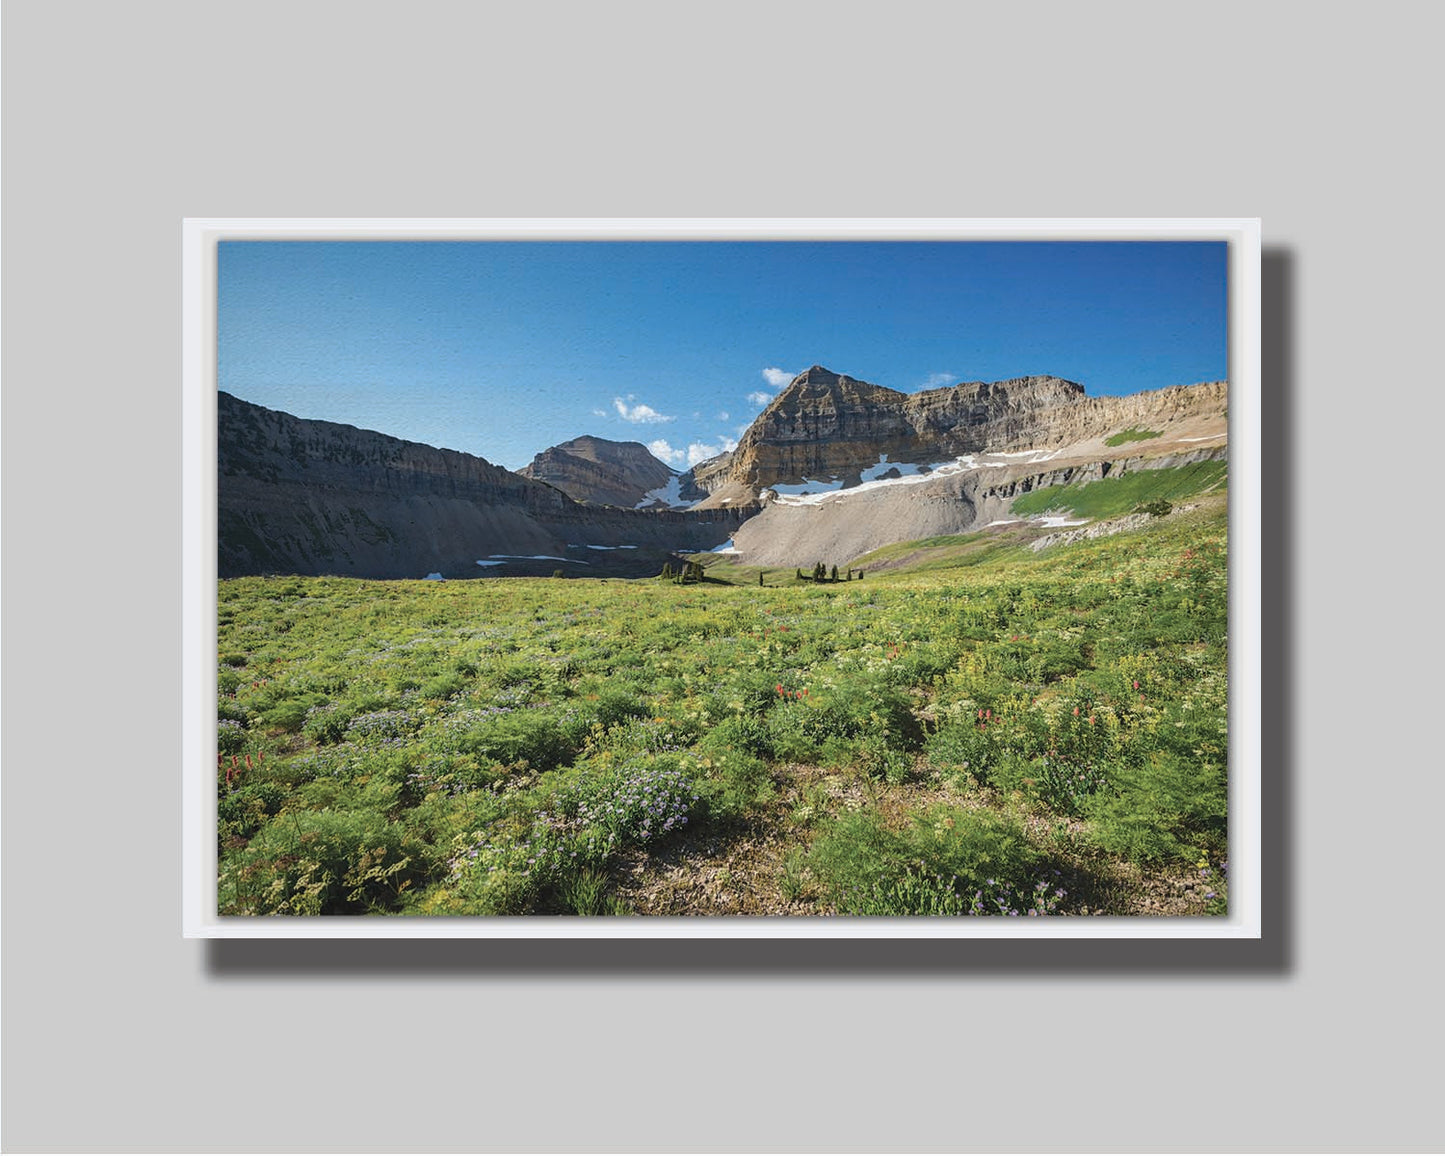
{"x":875,"y":473}
{"x":726,"y":548}
{"x":606,"y":548}
{"x":670,"y":495}
{"x":1054,"y":520}
{"x":433,"y":577}
{"x":484,"y":562}
{"x":810,"y":493}
{"x":534,"y":558}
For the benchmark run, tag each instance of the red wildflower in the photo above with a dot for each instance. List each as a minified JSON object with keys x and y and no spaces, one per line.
{"x":248,"y":762}
{"x":1076,"y":711}
{"x":1136,"y":684}
{"x":780,"y":688}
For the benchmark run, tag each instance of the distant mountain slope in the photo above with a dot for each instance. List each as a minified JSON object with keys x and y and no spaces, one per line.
{"x":314,"y":497}
{"x":826,"y":426}
{"x":831,"y":469}
{"x":845,"y":467}
{"x":602,"y":472}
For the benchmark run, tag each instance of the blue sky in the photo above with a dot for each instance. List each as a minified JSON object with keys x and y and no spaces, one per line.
{"x":502,"y":348}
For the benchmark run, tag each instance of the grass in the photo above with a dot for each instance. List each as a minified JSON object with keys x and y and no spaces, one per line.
{"x":1110,"y":497}
{"x":971,"y":732}
{"x":1131,"y":435}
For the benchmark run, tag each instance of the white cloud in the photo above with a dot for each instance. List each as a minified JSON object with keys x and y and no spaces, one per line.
{"x":660,"y":449}
{"x":638,"y":414}
{"x":758,"y":397}
{"x":599,"y":413}
{"x":699,"y":452}
{"x":777,"y":378}
{"x":937,"y":380}
{"x":722,"y":415}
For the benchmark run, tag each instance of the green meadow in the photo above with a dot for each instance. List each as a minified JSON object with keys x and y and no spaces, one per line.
{"x":971,"y":728}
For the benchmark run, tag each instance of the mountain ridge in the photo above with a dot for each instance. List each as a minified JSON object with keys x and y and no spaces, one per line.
{"x":832,"y":464}
{"x":295,"y":495}
{"x":602,"y":472}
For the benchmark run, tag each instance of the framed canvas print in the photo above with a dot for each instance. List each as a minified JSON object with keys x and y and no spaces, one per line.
{"x":721,"y":578}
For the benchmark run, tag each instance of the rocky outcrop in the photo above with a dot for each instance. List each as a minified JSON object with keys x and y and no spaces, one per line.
{"x":842,"y":526}
{"x":602,"y":472}
{"x":312,"y":497}
{"x":826,"y":425}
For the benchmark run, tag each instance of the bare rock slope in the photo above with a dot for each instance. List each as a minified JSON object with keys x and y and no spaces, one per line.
{"x":608,"y":473}
{"x":845,"y":467}
{"x":314,"y":497}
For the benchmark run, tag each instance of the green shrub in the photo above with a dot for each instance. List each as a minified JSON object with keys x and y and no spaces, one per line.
{"x":735,"y":783}
{"x":615,"y":704}
{"x":326,"y":725}
{"x":290,"y":713}
{"x":585,"y":893}
{"x":945,"y":862}
{"x":321,"y":863}
{"x":849,"y":709}
{"x":1166,"y":808}
{"x":520,"y":740}
{"x":230,"y":737}
{"x":876,"y":759}
{"x":241,"y":812}
{"x":444,"y":686}
{"x":747,"y":734}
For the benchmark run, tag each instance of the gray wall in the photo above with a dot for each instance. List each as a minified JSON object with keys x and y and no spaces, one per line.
{"x":120,"y":119}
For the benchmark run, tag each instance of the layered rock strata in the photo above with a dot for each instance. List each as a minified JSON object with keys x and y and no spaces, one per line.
{"x":826,"y":425}
{"x":602,"y":472}
{"x":312,"y":497}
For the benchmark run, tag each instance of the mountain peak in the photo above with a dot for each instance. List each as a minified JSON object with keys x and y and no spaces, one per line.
{"x":601,"y":471}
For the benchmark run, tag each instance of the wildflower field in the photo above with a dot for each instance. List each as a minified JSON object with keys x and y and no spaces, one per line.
{"x":982,"y":730}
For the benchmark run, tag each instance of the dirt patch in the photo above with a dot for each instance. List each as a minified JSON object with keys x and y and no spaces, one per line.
{"x":742,"y":868}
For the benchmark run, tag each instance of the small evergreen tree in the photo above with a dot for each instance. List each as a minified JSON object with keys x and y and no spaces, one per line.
{"x":835,"y":573}
{"x":798,"y":573}
{"x":760,"y":577}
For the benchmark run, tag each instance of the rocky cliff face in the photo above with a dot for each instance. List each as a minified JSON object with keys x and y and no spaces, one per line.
{"x":312,"y":497}
{"x":828,"y":426}
{"x":602,"y":472}
{"x":963,"y":454}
